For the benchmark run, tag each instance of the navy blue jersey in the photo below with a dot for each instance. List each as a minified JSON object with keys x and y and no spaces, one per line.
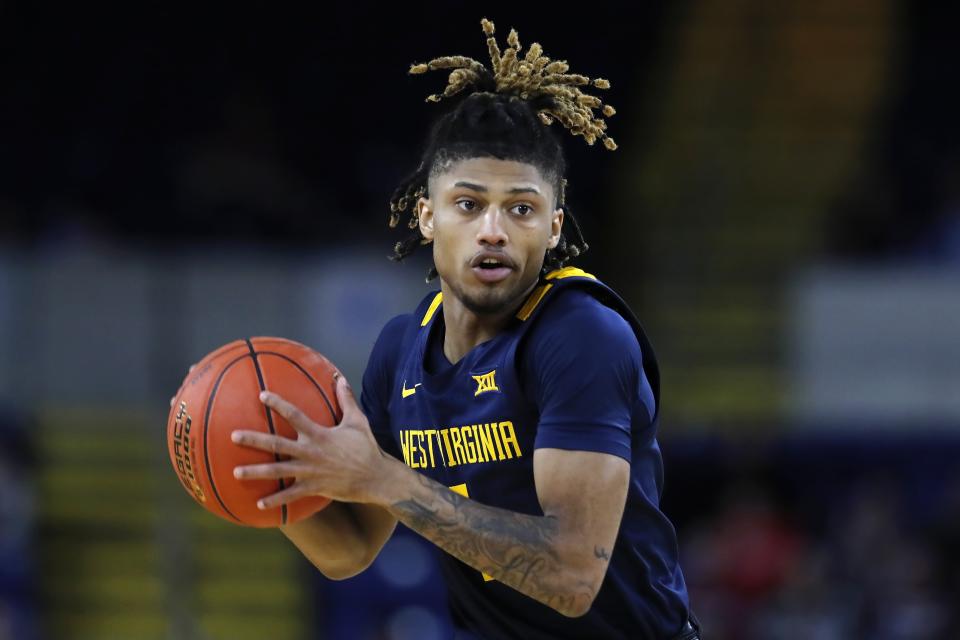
{"x":573,"y":370}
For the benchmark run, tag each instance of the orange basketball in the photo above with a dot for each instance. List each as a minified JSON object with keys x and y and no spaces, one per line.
{"x":221,"y":395}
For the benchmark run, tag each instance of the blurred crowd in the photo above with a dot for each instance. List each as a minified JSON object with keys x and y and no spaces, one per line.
{"x":835,"y":541}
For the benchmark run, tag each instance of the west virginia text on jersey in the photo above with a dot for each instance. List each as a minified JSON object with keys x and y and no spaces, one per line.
{"x":487,"y":442}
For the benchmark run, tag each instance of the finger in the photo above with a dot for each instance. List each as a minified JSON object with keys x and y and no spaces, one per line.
{"x":345,"y":397}
{"x":270,"y":471}
{"x":298,"y":490}
{"x":297,"y":418}
{"x":277,"y":445}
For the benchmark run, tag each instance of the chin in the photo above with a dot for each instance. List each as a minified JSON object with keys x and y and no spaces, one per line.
{"x":492,"y":300}
{"x":488,"y":299}
{"x":486,"y":303}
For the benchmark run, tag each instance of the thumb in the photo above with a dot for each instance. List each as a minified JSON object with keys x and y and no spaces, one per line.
{"x":345,"y":398}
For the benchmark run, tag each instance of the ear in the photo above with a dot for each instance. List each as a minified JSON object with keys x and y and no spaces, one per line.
{"x":425,"y":218}
{"x":556,"y":227}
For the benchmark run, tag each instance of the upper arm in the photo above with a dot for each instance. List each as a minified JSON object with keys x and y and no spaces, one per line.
{"x":585,"y":373}
{"x":586,"y":492}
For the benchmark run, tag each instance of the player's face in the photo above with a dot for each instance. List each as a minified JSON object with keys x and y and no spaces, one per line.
{"x":491,"y":223}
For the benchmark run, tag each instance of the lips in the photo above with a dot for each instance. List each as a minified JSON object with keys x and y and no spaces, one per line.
{"x":503,"y":259}
{"x":505,"y":266}
{"x":491,"y":275}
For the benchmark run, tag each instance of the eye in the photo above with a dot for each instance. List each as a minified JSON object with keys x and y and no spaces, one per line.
{"x":523,"y":209}
{"x":466,"y":204}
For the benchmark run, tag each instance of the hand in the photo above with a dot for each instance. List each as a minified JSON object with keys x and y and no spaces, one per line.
{"x":342,"y":462}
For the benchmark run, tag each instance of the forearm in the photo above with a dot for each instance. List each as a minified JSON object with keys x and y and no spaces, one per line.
{"x":343,"y":539}
{"x":532,"y":554}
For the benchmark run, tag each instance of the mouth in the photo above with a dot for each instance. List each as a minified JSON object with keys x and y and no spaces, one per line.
{"x":489,"y":267}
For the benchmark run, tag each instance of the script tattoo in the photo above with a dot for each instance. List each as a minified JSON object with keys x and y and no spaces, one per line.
{"x":516,"y":549}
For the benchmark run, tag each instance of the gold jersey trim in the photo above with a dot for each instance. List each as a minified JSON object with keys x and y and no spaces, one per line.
{"x":437,"y":299}
{"x":533,"y":301}
{"x":569,"y":272}
{"x":538,"y":293}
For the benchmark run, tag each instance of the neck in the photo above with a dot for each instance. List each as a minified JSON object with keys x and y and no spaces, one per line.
{"x":465,"y":329}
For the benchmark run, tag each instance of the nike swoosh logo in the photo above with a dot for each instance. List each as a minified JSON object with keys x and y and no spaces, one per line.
{"x":406,"y":393}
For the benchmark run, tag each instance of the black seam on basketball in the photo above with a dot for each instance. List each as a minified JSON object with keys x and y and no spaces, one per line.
{"x":276,"y":456}
{"x":333,"y":415}
{"x":206,"y":420}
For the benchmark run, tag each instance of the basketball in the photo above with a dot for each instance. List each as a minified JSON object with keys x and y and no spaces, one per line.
{"x":221,"y":395}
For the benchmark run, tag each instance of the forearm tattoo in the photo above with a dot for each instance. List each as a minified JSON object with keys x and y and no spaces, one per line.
{"x":516,"y":549}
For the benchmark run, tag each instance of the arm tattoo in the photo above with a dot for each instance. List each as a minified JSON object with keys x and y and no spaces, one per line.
{"x":516,"y":549}
{"x":601,"y":553}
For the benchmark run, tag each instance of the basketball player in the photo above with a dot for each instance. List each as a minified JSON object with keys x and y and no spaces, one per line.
{"x":511,"y":418}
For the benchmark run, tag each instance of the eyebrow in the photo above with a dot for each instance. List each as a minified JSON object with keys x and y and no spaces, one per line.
{"x":483,"y":189}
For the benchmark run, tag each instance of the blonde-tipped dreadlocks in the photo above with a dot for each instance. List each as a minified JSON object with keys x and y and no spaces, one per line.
{"x":534,"y":75}
{"x":506,"y":115}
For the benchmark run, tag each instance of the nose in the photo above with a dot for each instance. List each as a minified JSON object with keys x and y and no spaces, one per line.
{"x":491,"y":230}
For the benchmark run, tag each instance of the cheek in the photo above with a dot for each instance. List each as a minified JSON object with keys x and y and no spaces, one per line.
{"x":448,"y":236}
{"x":438,"y":253}
{"x":537,"y":237}
{"x":444,"y":246}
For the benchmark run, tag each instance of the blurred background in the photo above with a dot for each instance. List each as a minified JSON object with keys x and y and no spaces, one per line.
{"x":783,"y":215}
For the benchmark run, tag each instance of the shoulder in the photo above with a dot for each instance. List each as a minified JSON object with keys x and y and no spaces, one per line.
{"x":398,"y":329}
{"x":392,"y":337}
{"x":575,"y":317}
{"x":583,"y":370}
{"x":577,"y":340}
{"x":378,"y":374}
{"x":397,"y":326}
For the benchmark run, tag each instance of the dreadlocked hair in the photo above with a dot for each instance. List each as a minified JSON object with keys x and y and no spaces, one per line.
{"x":507,"y":116}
